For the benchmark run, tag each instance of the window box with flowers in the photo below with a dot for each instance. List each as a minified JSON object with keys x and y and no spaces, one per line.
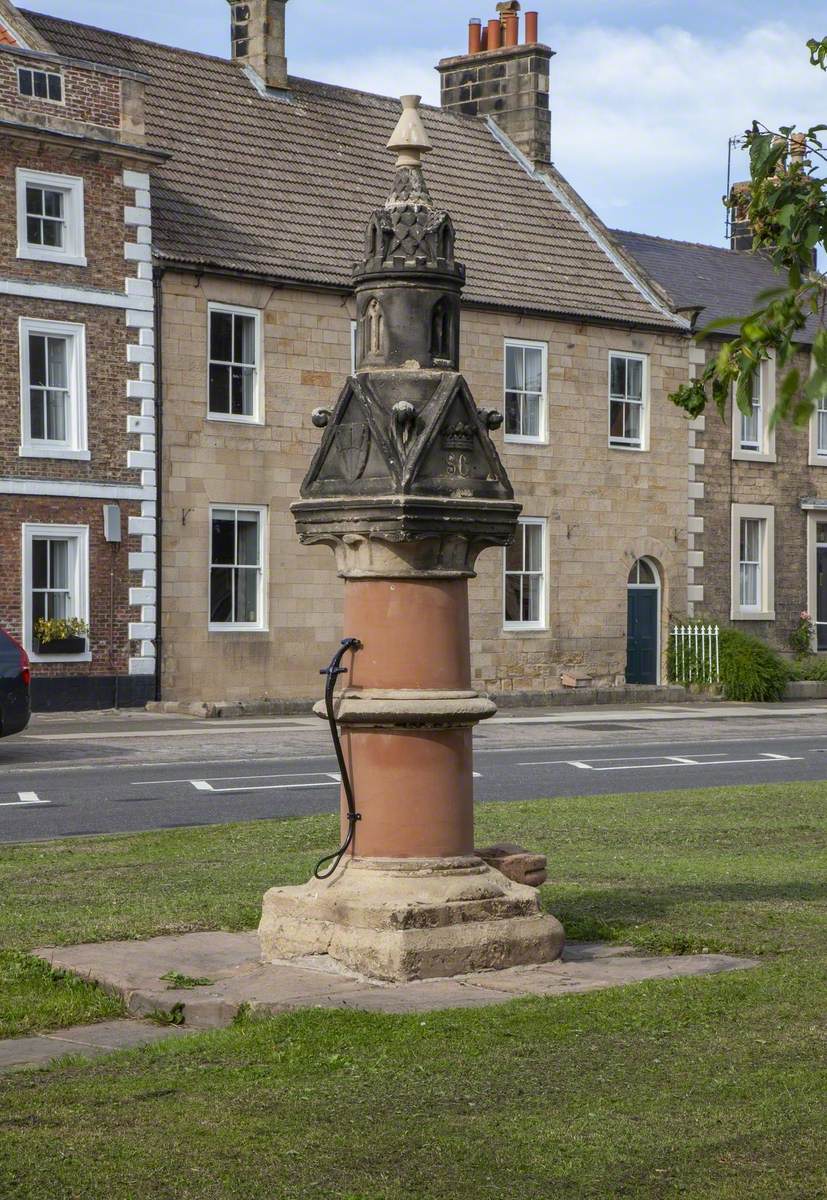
{"x":60,"y":635}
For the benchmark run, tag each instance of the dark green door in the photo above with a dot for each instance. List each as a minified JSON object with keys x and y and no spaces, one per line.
{"x":642,"y":635}
{"x":821,"y":591}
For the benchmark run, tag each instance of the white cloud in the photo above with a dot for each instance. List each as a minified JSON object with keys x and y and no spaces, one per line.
{"x":644,"y":104}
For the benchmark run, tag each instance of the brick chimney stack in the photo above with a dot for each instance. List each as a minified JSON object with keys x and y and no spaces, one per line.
{"x":740,"y":229}
{"x":257,"y":36}
{"x":504,"y":78}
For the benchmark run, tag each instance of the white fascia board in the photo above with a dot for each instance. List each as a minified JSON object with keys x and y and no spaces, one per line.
{"x":72,"y":295}
{"x":582,"y":220}
{"x":70,"y":488}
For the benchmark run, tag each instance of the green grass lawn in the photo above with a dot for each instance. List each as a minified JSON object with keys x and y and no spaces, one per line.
{"x":711,"y":1088}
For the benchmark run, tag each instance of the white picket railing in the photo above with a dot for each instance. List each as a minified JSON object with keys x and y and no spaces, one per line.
{"x":697,"y":656}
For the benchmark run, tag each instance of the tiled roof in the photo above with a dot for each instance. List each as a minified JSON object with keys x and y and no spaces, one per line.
{"x":724,"y":283}
{"x":283,"y":188}
{"x":6,"y":38}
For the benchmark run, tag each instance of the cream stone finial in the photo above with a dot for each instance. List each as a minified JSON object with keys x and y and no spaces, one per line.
{"x":409,"y":137}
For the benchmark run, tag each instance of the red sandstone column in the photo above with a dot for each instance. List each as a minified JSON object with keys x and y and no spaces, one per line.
{"x":414,"y":786}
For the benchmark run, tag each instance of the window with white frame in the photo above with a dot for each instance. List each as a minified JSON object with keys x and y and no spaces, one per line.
{"x":234,"y":363}
{"x":750,"y":431}
{"x":526,"y":371}
{"x":752,"y":435}
{"x":40,"y":85}
{"x":627,"y":401}
{"x":524,"y":577}
{"x":818,"y":434}
{"x":55,"y":578}
{"x":50,"y":220}
{"x":817,"y":576}
{"x":750,"y":562}
{"x":52,"y":389}
{"x":237,"y":563}
{"x":753,"y":537}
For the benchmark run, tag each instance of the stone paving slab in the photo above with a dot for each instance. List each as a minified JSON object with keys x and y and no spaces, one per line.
{"x":230,"y":961}
{"x":86,"y":1040}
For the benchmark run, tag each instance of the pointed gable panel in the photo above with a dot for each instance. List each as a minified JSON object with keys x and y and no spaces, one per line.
{"x":353,"y":450}
{"x":456,"y":456}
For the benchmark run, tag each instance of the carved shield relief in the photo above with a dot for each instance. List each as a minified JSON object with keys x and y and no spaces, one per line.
{"x":352,"y":442}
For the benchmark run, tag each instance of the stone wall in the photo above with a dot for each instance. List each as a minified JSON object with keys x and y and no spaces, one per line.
{"x":604,"y":508}
{"x":783,"y":484}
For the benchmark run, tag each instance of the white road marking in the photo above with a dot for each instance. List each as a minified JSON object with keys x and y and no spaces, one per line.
{"x":640,"y":764}
{"x":25,"y":800}
{"x":226,"y":778}
{"x":330,"y":779}
{"x":203,"y":786}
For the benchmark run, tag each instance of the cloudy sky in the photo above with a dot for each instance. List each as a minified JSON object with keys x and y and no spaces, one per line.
{"x":645,"y":93}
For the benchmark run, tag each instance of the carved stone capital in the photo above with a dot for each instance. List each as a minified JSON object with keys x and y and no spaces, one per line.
{"x":390,"y":537}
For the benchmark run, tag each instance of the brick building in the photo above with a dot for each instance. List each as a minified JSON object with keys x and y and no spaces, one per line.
{"x":77,"y":456}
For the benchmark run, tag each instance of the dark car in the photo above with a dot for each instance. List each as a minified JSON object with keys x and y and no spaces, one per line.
{"x":15,"y":683}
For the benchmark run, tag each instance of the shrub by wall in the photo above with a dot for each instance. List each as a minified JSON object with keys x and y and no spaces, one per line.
{"x":750,"y":670}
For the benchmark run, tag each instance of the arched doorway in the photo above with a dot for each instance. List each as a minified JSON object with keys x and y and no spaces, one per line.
{"x":643,"y":623}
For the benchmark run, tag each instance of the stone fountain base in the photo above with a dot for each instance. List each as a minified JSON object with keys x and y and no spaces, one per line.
{"x":400,"y":919}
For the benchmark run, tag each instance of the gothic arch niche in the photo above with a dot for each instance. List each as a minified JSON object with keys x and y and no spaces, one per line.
{"x":446,"y":241}
{"x":441,"y":331}
{"x":373,"y":333}
{"x":374,"y":240}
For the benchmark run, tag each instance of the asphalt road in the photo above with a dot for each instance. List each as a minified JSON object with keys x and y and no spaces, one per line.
{"x":126,"y":773}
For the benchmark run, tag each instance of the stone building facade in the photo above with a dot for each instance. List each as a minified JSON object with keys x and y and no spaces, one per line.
{"x":763,"y":506}
{"x":601,"y":508}
{"x":757,"y":527}
{"x":77,"y":451}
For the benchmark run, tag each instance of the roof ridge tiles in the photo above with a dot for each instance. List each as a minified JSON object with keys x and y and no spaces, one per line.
{"x":657,"y":237}
{"x":303,"y":82}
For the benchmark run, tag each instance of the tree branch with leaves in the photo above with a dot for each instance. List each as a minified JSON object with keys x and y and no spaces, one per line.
{"x":787,"y":211}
